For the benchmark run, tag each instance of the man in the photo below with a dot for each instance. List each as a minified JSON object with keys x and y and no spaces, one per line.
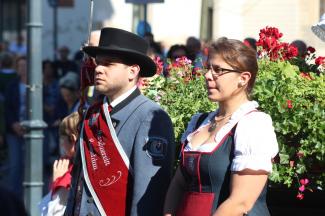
{"x":126,"y":147}
{"x":15,"y":113}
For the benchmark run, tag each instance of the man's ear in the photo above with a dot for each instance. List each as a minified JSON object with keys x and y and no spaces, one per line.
{"x":134,"y":71}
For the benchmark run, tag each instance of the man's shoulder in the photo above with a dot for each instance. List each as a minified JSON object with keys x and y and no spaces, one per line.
{"x":146,"y":105}
{"x":142,"y":108}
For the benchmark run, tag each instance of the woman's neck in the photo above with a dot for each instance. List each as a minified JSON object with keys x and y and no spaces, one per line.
{"x":228,"y":107}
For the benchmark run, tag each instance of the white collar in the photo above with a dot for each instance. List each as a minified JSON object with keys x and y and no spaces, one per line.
{"x":122,"y":97}
{"x":241,"y":111}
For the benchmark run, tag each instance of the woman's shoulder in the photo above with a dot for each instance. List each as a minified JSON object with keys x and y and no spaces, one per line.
{"x":255,"y":133}
{"x":256,"y":118}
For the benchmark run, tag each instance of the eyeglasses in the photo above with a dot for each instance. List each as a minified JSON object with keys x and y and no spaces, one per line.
{"x":218,"y":71}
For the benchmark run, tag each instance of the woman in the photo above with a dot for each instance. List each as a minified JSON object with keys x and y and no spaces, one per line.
{"x":227,"y":157}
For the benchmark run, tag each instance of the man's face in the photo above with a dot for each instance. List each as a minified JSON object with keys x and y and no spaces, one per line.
{"x":112,"y":77}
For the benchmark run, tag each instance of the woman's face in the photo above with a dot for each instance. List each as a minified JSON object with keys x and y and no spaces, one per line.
{"x":221,"y":84}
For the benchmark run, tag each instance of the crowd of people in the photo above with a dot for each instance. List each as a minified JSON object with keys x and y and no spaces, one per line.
{"x":116,"y":155}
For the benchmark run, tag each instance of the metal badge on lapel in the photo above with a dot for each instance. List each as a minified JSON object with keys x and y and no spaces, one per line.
{"x":115,"y":122}
{"x":156,"y":147}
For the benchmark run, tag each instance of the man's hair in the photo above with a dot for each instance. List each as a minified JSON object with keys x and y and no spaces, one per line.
{"x":7,"y":60}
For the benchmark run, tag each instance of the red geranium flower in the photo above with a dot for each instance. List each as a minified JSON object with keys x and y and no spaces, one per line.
{"x":319,"y":60}
{"x":304,"y":181}
{"x":300,"y":196}
{"x":289,"y":104}
{"x":311,"y":49}
{"x":271,"y":45}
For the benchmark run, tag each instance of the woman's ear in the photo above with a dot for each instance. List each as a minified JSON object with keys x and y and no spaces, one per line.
{"x":244,"y":78}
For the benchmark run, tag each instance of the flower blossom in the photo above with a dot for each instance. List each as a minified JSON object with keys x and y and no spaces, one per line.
{"x":160,"y":65}
{"x":319,"y":60}
{"x":300,"y":196}
{"x":183,"y":61}
{"x":302,"y":188}
{"x":289,"y":104}
{"x":300,"y":154}
{"x":304,"y":181}
{"x":272,"y":47}
{"x":310,"y":49}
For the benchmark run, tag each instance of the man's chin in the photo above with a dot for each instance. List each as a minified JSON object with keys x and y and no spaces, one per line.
{"x":99,"y":88}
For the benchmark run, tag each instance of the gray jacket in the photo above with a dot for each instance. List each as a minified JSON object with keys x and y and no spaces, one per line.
{"x":138,"y":123}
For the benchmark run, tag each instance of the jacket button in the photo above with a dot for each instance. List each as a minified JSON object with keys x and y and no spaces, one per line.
{"x":90,"y":200}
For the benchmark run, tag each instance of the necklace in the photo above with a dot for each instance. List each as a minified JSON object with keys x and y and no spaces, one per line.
{"x":214,"y":121}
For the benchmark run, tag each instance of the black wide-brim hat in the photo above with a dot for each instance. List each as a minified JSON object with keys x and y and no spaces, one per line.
{"x":126,"y":45}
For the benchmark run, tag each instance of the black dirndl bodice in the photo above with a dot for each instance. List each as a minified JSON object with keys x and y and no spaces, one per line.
{"x":207,"y":175}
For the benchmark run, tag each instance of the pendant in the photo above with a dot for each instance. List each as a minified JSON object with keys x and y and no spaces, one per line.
{"x":212,"y":127}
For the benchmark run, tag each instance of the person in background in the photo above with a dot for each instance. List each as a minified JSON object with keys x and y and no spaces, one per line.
{"x":175,"y":51}
{"x":54,"y":203}
{"x":51,"y":95}
{"x":226,"y":154}
{"x":15,"y":113}
{"x":126,"y":150}
{"x":69,"y":96}
{"x":18,"y":47}
{"x":7,"y":74}
{"x":195,"y":53}
{"x":10,"y":204}
{"x":156,"y":47}
{"x":301,"y":46}
{"x":7,"y":71}
{"x":64,"y":65}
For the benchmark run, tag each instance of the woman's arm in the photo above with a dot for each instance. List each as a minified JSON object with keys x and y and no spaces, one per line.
{"x":245,"y":188}
{"x":174,"y":193}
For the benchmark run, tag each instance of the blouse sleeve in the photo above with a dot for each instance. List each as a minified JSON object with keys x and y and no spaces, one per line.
{"x":255,"y":143}
{"x":57,"y":205}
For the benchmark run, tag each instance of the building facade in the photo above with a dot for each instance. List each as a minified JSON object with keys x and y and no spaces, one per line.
{"x":171,"y":22}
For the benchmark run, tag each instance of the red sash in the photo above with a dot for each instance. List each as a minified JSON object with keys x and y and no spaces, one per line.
{"x":105,"y":164}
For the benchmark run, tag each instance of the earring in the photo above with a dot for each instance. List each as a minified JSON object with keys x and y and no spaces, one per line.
{"x":240,"y":84}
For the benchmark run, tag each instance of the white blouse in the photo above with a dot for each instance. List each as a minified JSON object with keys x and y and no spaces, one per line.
{"x":255,"y":139}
